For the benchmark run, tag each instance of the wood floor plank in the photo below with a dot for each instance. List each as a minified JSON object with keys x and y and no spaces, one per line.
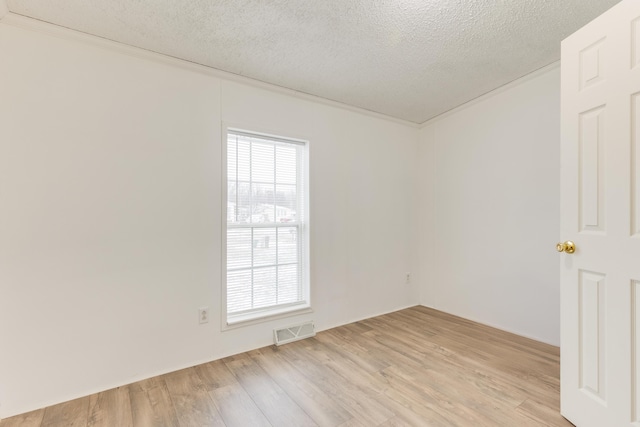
{"x":388,"y":351}
{"x":234,"y":404}
{"x":542,"y":415}
{"x":320,"y":406}
{"x":272,"y":400}
{"x":215,"y":375}
{"x":406,"y":323}
{"x":464,"y":400}
{"x":393,"y":422}
{"x":414,"y":367}
{"x":462,"y":374}
{"x":424,"y":394}
{"x":346,"y":331}
{"x":348,"y":368}
{"x":472,"y":328}
{"x":366,"y":383}
{"x":237,"y":408}
{"x":151,"y":405}
{"x":110,"y":408}
{"x":428,"y":409}
{"x":30,"y":419}
{"x":371,"y":361}
{"x":311,"y":360}
{"x":475,"y":380}
{"x":413,"y":355}
{"x":74,"y":413}
{"x":192,"y":403}
{"x":354,"y":422}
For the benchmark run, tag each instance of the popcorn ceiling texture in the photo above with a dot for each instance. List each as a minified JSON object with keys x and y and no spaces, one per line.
{"x":409,"y":59}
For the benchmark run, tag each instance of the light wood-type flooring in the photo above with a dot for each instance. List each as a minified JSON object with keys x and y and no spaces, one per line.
{"x":414,"y":367}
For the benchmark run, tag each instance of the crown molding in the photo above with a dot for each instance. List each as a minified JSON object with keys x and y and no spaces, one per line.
{"x":517,"y":82}
{"x":24,"y":22}
{"x":9,"y":18}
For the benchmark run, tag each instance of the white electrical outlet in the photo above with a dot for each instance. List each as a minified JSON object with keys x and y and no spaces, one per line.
{"x":407,"y":278}
{"x":203,"y":315}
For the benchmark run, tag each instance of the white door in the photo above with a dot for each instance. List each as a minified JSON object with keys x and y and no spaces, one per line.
{"x":600,"y":340}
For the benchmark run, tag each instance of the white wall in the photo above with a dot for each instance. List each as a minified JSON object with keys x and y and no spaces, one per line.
{"x":110,"y":218}
{"x":490,"y":209}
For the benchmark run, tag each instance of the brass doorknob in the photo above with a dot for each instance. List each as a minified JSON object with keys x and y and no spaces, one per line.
{"x":568,"y":247}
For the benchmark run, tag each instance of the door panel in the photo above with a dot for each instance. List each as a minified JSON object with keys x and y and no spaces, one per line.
{"x":635,"y":357}
{"x":593,"y":336}
{"x":635,"y":161}
{"x":592,"y":65}
{"x":600,"y":282}
{"x":635,"y":43}
{"x":592,"y":173}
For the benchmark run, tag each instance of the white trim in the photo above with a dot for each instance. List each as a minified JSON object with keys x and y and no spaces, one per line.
{"x":24,"y":22}
{"x":270,"y":313}
{"x":264,"y":225}
{"x":494,"y":326}
{"x":364,"y":317}
{"x":274,"y":137}
{"x":223,"y":229}
{"x":261,"y":342}
{"x":492,"y":93}
{"x":266,"y":315}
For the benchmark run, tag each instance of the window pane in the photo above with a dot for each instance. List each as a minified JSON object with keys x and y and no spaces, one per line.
{"x":286,"y":201}
{"x":239,"y":291}
{"x":264,"y":287}
{"x":288,"y":284}
{"x":243,"y":160}
{"x":263,"y":209}
{"x":232,"y":192}
{"x":238,"y":248}
{"x":262,"y":163}
{"x":286,"y":164}
{"x":287,"y":245}
{"x":263,"y":188}
{"x":232,"y":165}
{"x":264,"y":246}
{"x":241,"y":201}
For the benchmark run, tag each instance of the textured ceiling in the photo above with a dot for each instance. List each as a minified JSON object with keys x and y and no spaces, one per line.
{"x":409,"y":59}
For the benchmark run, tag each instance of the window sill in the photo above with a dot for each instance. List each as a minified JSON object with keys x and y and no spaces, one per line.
{"x":238,"y":321}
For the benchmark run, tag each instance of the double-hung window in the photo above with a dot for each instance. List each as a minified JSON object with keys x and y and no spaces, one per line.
{"x":267,"y":226}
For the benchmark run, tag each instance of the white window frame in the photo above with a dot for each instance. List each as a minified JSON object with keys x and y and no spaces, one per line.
{"x":269,"y":313}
